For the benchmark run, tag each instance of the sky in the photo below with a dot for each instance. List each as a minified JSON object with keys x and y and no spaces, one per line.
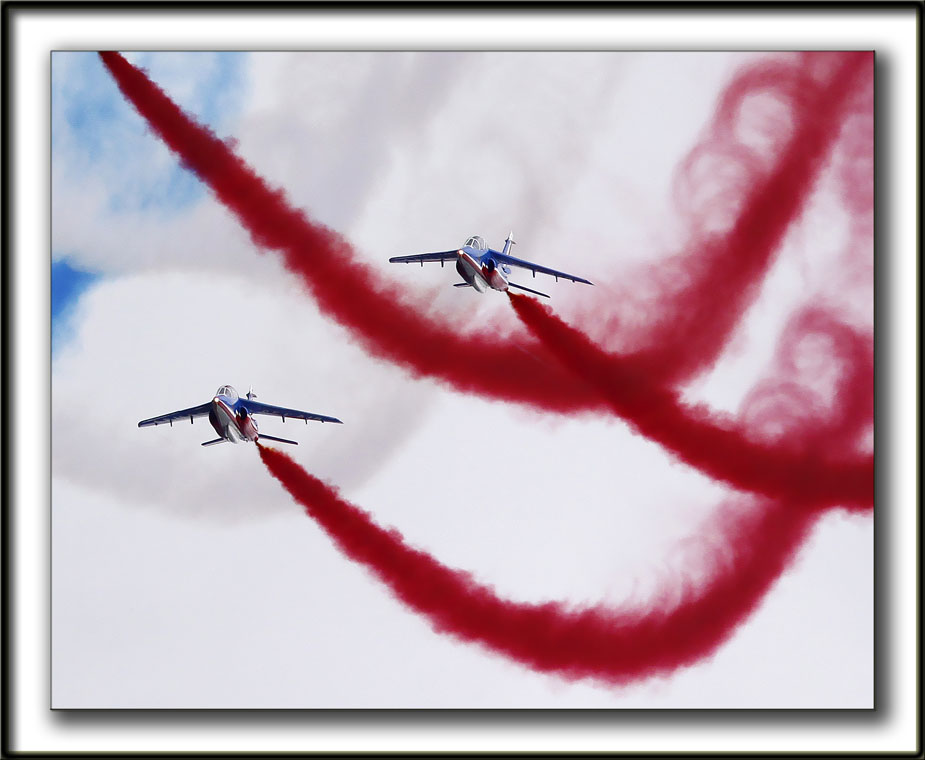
{"x":186,"y":577}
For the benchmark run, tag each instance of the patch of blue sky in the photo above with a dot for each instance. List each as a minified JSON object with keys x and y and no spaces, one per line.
{"x":68,"y":284}
{"x":96,"y":131}
{"x":97,"y":136}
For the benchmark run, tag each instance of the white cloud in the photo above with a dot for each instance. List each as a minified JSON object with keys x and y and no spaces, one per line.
{"x":147,"y":345}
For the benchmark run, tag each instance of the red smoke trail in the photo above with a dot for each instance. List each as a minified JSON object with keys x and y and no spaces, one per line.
{"x":611,"y":645}
{"x":774,"y":406}
{"x":392,"y":329}
{"x":741,"y":187}
{"x":746,"y":546}
{"x":720,"y":448}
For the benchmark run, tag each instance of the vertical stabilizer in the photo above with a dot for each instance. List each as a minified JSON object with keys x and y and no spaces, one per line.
{"x":508,"y":243}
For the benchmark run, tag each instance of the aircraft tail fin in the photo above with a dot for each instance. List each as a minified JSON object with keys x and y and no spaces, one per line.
{"x":529,"y":290}
{"x":508,"y":243}
{"x":274,"y":438}
{"x":462,"y":285}
{"x":217,"y":440}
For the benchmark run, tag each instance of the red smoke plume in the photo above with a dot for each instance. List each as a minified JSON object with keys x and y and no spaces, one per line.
{"x":608,"y":644}
{"x":747,"y":545}
{"x":739,"y":189}
{"x":720,"y":448}
{"x":689,"y":330}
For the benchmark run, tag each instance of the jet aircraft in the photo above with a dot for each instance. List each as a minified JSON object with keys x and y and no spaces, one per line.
{"x":233,"y":417}
{"x":482,"y":267}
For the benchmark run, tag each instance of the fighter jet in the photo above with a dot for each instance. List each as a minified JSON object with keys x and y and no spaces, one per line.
{"x":233,"y":417}
{"x":482,"y":267}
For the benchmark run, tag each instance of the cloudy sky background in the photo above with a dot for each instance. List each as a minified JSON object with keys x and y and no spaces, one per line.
{"x":185,"y":577}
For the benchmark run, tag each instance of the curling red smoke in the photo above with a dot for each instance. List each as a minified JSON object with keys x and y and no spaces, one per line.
{"x":720,"y":448}
{"x":754,"y":547}
{"x":747,"y":545}
{"x":610,"y":645}
{"x":739,"y":190}
{"x":813,"y":89}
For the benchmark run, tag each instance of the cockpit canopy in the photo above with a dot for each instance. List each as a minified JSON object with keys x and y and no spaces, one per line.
{"x":227,"y":390}
{"x":476,"y":242}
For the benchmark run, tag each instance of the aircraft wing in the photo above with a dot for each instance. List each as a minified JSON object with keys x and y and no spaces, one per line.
{"x":194,"y":411}
{"x":255,"y":407}
{"x":505,"y":259}
{"x":422,"y":257}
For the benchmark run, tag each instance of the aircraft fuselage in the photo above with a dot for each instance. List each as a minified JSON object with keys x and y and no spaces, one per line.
{"x":231,"y":420}
{"x":481,"y":271}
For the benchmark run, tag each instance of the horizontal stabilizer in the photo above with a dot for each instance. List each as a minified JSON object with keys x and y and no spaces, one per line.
{"x":274,"y":438}
{"x":217,"y":440}
{"x":462,"y":285}
{"x":529,"y":290}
